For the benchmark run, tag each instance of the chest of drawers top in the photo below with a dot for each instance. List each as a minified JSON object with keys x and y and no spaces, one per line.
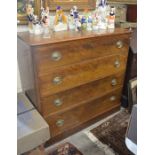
{"x":64,"y":36}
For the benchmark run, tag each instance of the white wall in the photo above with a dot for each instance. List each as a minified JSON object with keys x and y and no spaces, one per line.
{"x":19,"y":86}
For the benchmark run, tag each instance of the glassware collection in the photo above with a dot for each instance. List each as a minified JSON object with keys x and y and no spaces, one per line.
{"x":103,"y":17}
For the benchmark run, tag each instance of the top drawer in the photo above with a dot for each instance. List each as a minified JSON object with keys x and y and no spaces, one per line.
{"x":47,"y":57}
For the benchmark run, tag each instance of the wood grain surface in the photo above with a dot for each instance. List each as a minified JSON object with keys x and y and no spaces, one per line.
{"x":81,"y":73}
{"x":81,"y":114}
{"x":80,"y":95}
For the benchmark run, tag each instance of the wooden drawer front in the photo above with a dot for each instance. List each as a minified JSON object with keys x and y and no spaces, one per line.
{"x":71,"y":76}
{"x":47,"y":57}
{"x":74,"y":117}
{"x":80,"y":95}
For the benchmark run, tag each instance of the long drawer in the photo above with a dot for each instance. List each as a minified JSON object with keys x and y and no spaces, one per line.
{"x":68,"y":77}
{"x":80,"y":95}
{"x":62,"y":122}
{"x":47,"y":57}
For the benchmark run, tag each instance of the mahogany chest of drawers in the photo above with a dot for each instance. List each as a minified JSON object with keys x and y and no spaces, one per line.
{"x":73,"y":78}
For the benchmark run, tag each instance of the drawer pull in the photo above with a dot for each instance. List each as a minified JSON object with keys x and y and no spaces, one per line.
{"x":114,"y":82}
{"x":119,"y":44}
{"x":60,"y":122}
{"x":57,"y":80}
{"x":117,"y":64}
{"x":112,"y":98}
{"x":58,"y":102}
{"x":56,"y":56}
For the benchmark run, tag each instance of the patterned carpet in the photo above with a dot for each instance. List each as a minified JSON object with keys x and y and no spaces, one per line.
{"x":112,"y":132}
{"x":66,"y":149}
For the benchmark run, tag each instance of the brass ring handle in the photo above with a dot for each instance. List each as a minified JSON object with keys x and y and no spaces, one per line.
{"x":112,"y":98}
{"x":114,"y":82}
{"x":119,"y":44}
{"x":60,"y":123}
{"x":58,"y":102}
{"x":57,"y":80}
{"x":117,"y":64}
{"x":56,"y":56}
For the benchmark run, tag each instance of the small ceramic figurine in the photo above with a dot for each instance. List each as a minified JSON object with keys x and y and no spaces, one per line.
{"x":45,"y":20}
{"x":95,"y":21}
{"x":89,"y":23}
{"x":45,"y":16}
{"x":75,"y":12}
{"x":76,"y":18}
{"x":74,"y":22}
{"x":34,"y":24}
{"x":30,"y":12}
{"x":84,"y":19}
{"x":60,"y":20}
{"x":84,"y":22}
{"x":101,"y":9}
{"x":71,"y":22}
{"x":102,"y":23}
{"x":31,"y":17}
{"x":77,"y":25}
{"x":37,"y":26}
{"x":111,"y":18}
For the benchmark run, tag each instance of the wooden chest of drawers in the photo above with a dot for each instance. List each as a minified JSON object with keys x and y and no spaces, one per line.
{"x":73,"y":78}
